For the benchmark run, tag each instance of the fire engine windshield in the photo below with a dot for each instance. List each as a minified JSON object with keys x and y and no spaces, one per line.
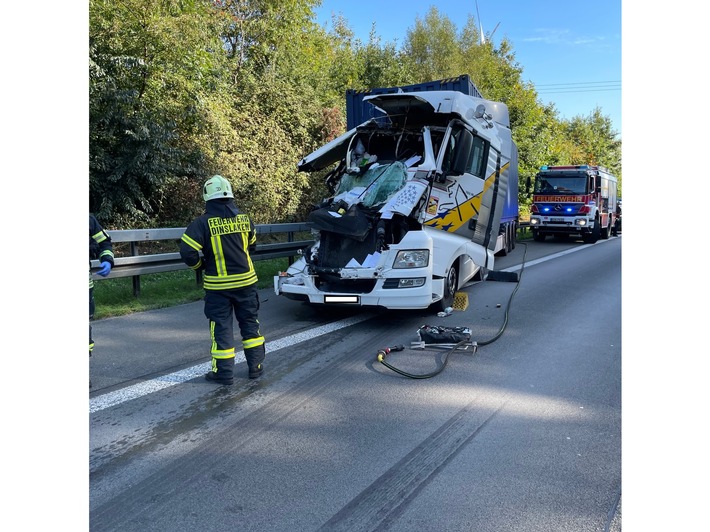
{"x":560,"y":185}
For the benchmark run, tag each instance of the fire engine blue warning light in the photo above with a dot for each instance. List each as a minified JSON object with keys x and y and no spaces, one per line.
{"x":584,"y":167}
{"x":569,"y":209}
{"x":543,"y":168}
{"x":546,"y":209}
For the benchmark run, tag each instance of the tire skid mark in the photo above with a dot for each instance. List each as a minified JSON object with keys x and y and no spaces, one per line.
{"x":386,"y":499}
{"x":133,"y":507}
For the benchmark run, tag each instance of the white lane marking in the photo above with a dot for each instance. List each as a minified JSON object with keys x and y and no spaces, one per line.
{"x":551,"y":257}
{"x":144,"y":388}
{"x":543,"y":259}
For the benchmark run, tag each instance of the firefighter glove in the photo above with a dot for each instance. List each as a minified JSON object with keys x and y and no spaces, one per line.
{"x":105,"y":269}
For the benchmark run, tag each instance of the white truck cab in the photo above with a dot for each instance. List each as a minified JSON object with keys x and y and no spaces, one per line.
{"x":416,"y":204}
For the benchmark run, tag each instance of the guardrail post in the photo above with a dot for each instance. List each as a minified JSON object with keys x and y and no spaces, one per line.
{"x":136,"y":278}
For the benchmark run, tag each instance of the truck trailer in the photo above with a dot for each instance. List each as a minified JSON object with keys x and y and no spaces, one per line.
{"x":424,"y":189}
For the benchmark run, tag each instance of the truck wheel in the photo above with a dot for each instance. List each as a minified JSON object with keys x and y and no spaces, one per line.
{"x":506,"y":246}
{"x":591,"y":238}
{"x":512,"y":232}
{"x":606,"y":231}
{"x":508,"y":240}
{"x":508,"y":236}
{"x":451,"y":284}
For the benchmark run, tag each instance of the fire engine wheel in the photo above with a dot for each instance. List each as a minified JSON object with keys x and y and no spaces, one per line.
{"x":606,"y":231}
{"x":592,"y":237}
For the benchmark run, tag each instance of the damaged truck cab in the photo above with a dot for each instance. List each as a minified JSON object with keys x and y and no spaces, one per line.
{"x":416,"y":205}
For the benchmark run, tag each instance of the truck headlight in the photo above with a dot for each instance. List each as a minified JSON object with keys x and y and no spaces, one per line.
{"x":580,"y":221}
{"x":411,"y":258}
{"x":534,"y":221}
{"x":411,"y":283}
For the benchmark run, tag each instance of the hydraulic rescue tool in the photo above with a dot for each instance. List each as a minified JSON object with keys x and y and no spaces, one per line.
{"x":452,"y":338}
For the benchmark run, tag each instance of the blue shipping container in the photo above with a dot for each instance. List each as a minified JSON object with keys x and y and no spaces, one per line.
{"x":358,"y":111}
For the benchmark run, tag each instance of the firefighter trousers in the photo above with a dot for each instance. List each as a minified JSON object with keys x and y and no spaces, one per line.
{"x":221,"y":307}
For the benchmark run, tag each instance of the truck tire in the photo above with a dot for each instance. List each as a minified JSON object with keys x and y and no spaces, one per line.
{"x":591,"y":238}
{"x":451,"y":284}
{"x":508,"y":235}
{"x":606,"y":231}
{"x":512,"y":232}
{"x":506,"y":243}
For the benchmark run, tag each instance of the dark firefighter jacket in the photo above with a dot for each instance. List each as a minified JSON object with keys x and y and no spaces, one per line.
{"x":224,"y":236}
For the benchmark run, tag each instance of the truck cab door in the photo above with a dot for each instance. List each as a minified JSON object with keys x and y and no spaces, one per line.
{"x":460,"y":167}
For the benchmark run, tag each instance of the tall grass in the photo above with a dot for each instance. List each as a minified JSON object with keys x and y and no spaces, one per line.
{"x":114,"y":297}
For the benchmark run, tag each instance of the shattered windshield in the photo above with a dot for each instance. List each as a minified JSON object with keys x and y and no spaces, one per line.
{"x":372,"y":187}
{"x":560,"y":185}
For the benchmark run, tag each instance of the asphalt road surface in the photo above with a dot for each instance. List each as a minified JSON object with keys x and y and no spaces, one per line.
{"x":522,"y":435}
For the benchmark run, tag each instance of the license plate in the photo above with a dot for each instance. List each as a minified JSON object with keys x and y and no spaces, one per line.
{"x":342,"y":299}
{"x":557,"y":220}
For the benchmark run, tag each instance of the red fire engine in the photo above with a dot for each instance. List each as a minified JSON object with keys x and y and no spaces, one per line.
{"x":574,"y":200}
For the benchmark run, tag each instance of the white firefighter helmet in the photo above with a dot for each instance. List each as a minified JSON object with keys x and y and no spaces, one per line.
{"x":217,"y":187}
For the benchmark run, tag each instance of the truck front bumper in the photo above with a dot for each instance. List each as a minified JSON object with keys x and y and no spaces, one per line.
{"x":303,"y":287}
{"x":569,"y":226}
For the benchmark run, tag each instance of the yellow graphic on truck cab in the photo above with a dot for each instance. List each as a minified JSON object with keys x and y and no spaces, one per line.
{"x":452,"y":219}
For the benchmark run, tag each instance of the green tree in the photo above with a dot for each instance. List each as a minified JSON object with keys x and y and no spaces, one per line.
{"x":154,"y":67}
{"x":281,"y":107}
{"x":596,"y":141}
{"x":379,"y":64}
{"x":432,"y":47}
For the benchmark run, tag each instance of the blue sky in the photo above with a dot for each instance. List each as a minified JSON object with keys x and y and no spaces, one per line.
{"x":570,"y":51}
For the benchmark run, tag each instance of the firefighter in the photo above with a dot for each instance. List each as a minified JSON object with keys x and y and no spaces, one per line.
{"x":224,"y":236}
{"x":101,"y":248}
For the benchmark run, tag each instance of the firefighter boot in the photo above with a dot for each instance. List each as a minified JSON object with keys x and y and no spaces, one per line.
{"x":222,"y":371}
{"x":255,"y":358}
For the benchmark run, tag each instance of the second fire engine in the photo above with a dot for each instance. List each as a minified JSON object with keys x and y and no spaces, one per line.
{"x":574,"y":200}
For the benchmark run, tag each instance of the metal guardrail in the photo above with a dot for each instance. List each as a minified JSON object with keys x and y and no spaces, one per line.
{"x":136,"y":264}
